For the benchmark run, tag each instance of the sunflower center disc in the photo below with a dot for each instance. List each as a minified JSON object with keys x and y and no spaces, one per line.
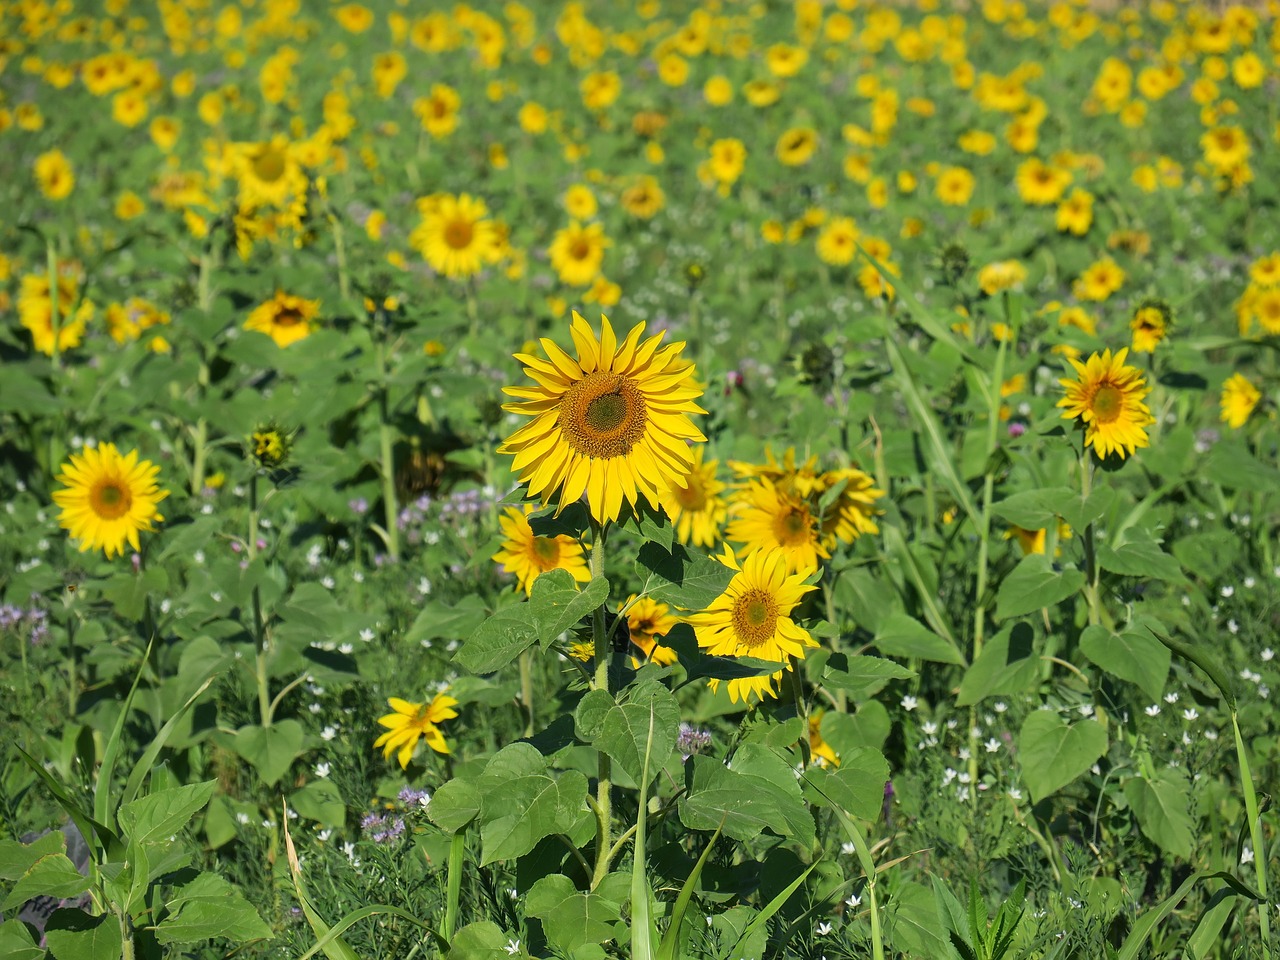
{"x":755,"y":617}
{"x":269,"y":167}
{"x":603,"y":415}
{"x":458,"y":234}
{"x":692,"y":497}
{"x":1107,"y":403}
{"x":546,"y":550}
{"x":110,"y":500}
{"x":288,"y":317}
{"x":792,"y":527}
{"x":580,"y":250}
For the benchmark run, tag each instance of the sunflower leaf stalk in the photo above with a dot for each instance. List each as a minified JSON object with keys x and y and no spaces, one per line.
{"x":600,"y":681}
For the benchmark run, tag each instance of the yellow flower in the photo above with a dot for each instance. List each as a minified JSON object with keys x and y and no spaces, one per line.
{"x":1107,"y":398}
{"x":286,"y":319}
{"x":820,"y":752}
{"x":837,"y":242}
{"x":456,"y":238}
{"x":644,"y":198}
{"x":612,"y":424}
{"x":533,"y":118}
{"x":354,"y":18}
{"x":1239,"y":397}
{"x":1075,"y":213}
{"x":718,"y":91}
{"x":697,"y":509}
{"x":55,"y":175}
{"x":1040,"y":184}
{"x":128,"y":108}
{"x":580,"y":202}
{"x":954,"y":186}
{"x":1001,"y":275}
{"x":599,"y":90}
{"x":527,"y":556}
{"x":439,"y":111}
{"x":728,"y":157}
{"x":577,"y":252}
{"x":108,"y":498}
{"x":752,"y":618}
{"x":129,"y":205}
{"x":1099,"y":280}
{"x":35,"y":311}
{"x":647,"y":619}
{"x":768,"y":517}
{"x":412,"y":722}
{"x":796,"y":146}
{"x":1150,"y":324}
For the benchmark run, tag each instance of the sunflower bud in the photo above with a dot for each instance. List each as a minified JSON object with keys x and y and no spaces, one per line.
{"x":953,"y":263}
{"x":694,"y":274}
{"x":270,"y":446}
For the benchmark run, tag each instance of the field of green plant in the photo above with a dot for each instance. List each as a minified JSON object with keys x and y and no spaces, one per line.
{"x":653,"y":480}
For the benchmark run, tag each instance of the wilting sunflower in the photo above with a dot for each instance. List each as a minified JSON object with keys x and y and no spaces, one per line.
{"x":770,"y":518}
{"x":647,"y":620}
{"x":1239,"y":397}
{"x":697,"y":509}
{"x":286,"y":319}
{"x":1107,"y":398}
{"x":412,"y":722}
{"x":108,"y":499}
{"x":752,"y":618}
{"x":456,"y":237}
{"x":613,"y":423}
{"x":527,"y":556}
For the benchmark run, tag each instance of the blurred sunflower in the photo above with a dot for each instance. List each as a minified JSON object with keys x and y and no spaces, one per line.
{"x":644,"y":198}
{"x":35,"y":311}
{"x":527,"y":556}
{"x":647,"y":619}
{"x":796,"y":146}
{"x":612,"y":423}
{"x":752,"y":618}
{"x":55,"y":175}
{"x":1150,"y":324}
{"x":456,"y":237}
{"x":286,"y":319}
{"x":411,"y":722}
{"x":108,"y":498}
{"x":577,"y":252}
{"x":1107,"y":399}
{"x":268,"y":173}
{"x":1239,"y":397}
{"x":838,"y":241}
{"x":697,"y":509}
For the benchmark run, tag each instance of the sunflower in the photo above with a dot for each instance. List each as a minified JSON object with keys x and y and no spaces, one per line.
{"x":1107,"y":398}
{"x":820,"y":752}
{"x":796,"y":146}
{"x":644,"y":198}
{"x":456,"y":238}
{"x":286,"y":319}
{"x":55,"y":175}
{"x":1040,"y":184}
{"x":268,"y":173}
{"x":697,"y":509}
{"x":613,"y":423}
{"x":528,"y":556}
{"x":838,"y":241}
{"x":954,"y":186}
{"x":752,"y":618}
{"x":439,"y":111}
{"x":577,"y":252}
{"x":852,"y":513}
{"x":108,"y":499}
{"x":414,"y":721}
{"x":1239,"y":397}
{"x":1150,"y":324}
{"x":35,"y":310}
{"x":770,"y":518}
{"x":647,"y":619}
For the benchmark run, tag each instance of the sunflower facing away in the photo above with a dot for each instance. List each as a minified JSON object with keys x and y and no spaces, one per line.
{"x":527,"y":556}
{"x":108,"y":499}
{"x":612,"y":423}
{"x":1107,"y":399}
{"x":412,"y":722}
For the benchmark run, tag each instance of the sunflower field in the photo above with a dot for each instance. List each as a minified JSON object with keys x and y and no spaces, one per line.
{"x":664,"y":480}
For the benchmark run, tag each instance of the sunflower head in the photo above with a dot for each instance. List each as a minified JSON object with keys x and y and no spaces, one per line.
{"x":108,"y":498}
{"x":269,"y":446}
{"x":1107,"y":399}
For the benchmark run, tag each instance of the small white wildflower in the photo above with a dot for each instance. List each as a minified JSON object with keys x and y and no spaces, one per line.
{"x":1171,"y":697}
{"x":328,"y":733}
{"x":242,"y":818}
{"x":909,"y":702}
{"x":198,"y":556}
{"x":366,"y":634}
{"x":512,"y":947}
{"x":1228,"y":591}
{"x":854,"y":901}
{"x":929,"y":728}
{"x":823,"y":929}
{"x":1211,"y":734}
{"x":1000,"y":706}
{"x":324,"y":835}
{"x":328,"y":582}
{"x":347,"y":648}
{"x":992,"y":745}
{"x":1249,"y":583}
{"x":1267,"y":655}
{"x":1015,"y":793}
{"x":322,"y":769}
{"x":1246,"y":855}
{"x":848,"y":848}
{"x":1232,"y":626}
{"x":1153,"y":710}
{"x":1190,"y":714}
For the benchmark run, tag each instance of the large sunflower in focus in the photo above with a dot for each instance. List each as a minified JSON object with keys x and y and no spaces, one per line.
{"x":108,"y":499}
{"x":769,"y":518}
{"x":612,"y":423}
{"x":1107,"y":399}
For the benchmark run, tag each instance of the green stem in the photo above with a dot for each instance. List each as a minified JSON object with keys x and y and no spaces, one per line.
{"x":200,"y":444}
{"x":265,"y":710}
{"x":457,"y":848}
{"x":340,"y":252}
{"x":988,"y":492}
{"x":387,"y":454}
{"x":526,"y":689}
{"x":600,"y":681}
{"x":1260,"y":854}
{"x":877,"y":941}
{"x":55,"y":321}
{"x":1090,"y":555}
{"x":126,"y":937}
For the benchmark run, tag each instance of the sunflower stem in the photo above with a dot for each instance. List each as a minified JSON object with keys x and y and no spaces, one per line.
{"x":457,"y":849}
{"x":1260,"y":853}
{"x":604,"y":769}
{"x":1090,"y":555}
{"x":55,"y":321}
{"x":265,"y":710}
{"x":526,"y":689}
{"x":387,"y":454}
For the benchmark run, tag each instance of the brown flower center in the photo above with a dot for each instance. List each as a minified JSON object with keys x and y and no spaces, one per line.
{"x":793,"y":526}
{"x":692,"y":497}
{"x":269,"y":165}
{"x":1107,"y":403}
{"x":755,"y":617}
{"x":603,"y":415}
{"x":546,"y":551}
{"x":458,"y":234}
{"x":288,"y":317}
{"x":110,"y":499}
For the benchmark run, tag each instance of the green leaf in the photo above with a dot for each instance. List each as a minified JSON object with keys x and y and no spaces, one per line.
{"x":901,"y":635}
{"x":570,"y":917}
{"x":209,"y":907}
{"x":74,"y":935}
{"x":1231,"y":465}
{"x":531,"y":808}
{"x":157,"y":817}
{"x":1080,"y":513}
{"x":17,"y":858}
{"x":1008,"y":665}
{"x":625,"y":730}
{"x":51,"y":875}
{"x":16,"y":942}
{"x":1034,"y":509}
{"x":1053,"y":754}
{"x":272,"y":749}
{"x":555,"y":605}
{"x":1139,"y":558}
{"x":862,"y":675}
{"x":128,"y":592}
{"x":1208,"y":555}
{"x":320,"y":801}
{"x":856,"y":786}
{"x":438,"y":620}
{"x":677,"y":577}
{"x":589,"y":715}
{"x":1160,"y":806}
{"x":454,"y":805}
{"x":1135,"y":655}
{"x":914,"y":922}
{"x":1034,"y":584}
{"x":483,"y":940}
{"x":760,"y":792}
